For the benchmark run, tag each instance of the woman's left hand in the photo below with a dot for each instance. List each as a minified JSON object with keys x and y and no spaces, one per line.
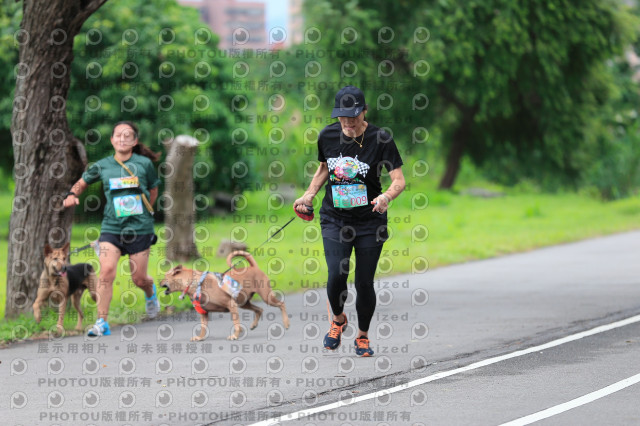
{"x":380,"y":203}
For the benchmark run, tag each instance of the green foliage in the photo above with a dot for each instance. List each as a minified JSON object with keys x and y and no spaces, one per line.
{"x":156,"y":64}
{"x":533,"y":211}
{"x":616,"y":172}
{"x":522,"y":82}
{"x":366,"y":44}
{"x":533,"y":76}
{"x":531,"y":83}
{"x":10,"y":17}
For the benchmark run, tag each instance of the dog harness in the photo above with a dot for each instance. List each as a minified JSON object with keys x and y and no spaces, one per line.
{"x":196,"y":297}
{"x":225,"y":282}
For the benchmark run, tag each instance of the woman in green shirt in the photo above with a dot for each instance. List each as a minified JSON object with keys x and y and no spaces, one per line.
{"x":130,"y":184}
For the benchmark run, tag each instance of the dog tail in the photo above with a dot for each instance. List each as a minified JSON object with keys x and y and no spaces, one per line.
{"x":242,"y":253}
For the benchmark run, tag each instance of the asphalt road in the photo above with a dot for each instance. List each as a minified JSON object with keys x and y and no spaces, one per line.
{"x":455,"y":345}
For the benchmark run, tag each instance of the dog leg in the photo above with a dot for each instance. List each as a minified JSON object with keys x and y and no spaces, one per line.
{"x":272,"y":300}
{"x":75,"y":298}
{"x":257,"y":313}
{"x":41,"y":298}
{"x":233,"y":310}
{"x":92,"y":285}
{"x":61,"y":311}
{"x":204,"y":326}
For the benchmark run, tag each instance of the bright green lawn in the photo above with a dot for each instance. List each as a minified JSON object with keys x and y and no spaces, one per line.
{"x":460,"y":228}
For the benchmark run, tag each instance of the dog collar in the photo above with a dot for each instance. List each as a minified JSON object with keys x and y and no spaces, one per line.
{"x":202,"y":277}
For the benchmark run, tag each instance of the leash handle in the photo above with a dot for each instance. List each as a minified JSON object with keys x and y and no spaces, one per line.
{"x":308,"y":216}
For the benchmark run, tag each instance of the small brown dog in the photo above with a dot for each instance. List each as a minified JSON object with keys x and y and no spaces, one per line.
{"x":215,"y":299}
{"x":61,"y":281}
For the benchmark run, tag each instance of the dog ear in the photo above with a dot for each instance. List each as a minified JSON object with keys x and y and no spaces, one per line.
{"x":47,"y":249}
{"x":65,"y":248}
{"x":175,"y":270}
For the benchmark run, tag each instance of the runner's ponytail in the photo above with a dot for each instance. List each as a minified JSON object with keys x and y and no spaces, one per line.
{"x":142,"y":149}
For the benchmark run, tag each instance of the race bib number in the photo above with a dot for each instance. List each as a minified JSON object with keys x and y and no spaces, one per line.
{"x":124,"y":182}
{"x":345,"y":196}
{"x":128,"y":205}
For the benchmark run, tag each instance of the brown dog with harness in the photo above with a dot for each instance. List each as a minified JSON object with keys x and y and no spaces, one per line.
{"x":60,"y":281}
{"x":211,"y":292}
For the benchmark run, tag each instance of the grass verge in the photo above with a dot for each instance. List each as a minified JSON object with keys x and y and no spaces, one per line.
{"x":429,"y":229}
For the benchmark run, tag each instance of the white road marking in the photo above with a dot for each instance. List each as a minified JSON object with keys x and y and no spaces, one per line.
{"x":561,"y":408}
{"x":572,"y":338}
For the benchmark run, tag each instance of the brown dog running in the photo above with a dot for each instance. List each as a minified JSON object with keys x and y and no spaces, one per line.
{"x":215,"y":299}
{"x":61,"y":281}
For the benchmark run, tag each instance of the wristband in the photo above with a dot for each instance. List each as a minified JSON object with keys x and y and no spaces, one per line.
{"x":70,"y":193}
{"x":386,"y":198}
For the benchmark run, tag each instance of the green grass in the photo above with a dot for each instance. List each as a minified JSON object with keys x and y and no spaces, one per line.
{"x":453,"y":228}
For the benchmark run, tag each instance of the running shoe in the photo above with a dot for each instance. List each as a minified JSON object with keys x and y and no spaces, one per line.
{"x":362,"y":347}
{"x":152,"y":305}
{"x":332,"y":338}
{"x":100,"y":328}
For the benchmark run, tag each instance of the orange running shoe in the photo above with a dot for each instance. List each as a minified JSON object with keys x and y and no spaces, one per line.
{"x":362,"y":347}
{"x":332,"y":338}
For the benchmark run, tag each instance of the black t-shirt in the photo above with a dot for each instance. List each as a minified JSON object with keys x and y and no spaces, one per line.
{"x":354,"y":170}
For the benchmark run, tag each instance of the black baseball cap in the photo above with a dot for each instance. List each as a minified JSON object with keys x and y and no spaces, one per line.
{"x":349,"y":102}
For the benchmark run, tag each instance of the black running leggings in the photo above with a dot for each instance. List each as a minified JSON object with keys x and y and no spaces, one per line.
{"x":337,"y":255}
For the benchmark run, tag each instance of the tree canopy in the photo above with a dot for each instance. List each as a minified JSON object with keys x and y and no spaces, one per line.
{"x":514,"y":86}
{"x":154,"y":63}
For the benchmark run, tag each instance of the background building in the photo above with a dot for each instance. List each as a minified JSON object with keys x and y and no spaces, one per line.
{"x":240,"y":25}
{"x":296,"y":23}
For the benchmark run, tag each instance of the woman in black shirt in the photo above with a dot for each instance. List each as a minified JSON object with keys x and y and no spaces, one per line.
{"x":353,"y":214}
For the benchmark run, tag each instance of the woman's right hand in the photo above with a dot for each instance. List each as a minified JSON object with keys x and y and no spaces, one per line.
{"x":70,"y":201}
{"x":303,"y":204}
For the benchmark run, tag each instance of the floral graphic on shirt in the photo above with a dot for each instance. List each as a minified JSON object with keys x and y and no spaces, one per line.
{"x":346,"y":169}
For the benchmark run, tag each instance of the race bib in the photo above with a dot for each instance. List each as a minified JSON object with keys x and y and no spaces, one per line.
{"x":345,"y":196}
{"x":127,"y":205}
{"x":124,"y":182}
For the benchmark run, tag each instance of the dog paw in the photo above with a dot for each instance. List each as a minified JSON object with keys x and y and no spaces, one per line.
{"x":59,"y":331}
{"x":196,"y":339}
{"x":232,"y":337}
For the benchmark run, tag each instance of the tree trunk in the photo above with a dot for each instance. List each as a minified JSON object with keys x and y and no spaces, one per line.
{"x":180,"y":213}
{"x":47,"y":158}
{"x":459,"y":141}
